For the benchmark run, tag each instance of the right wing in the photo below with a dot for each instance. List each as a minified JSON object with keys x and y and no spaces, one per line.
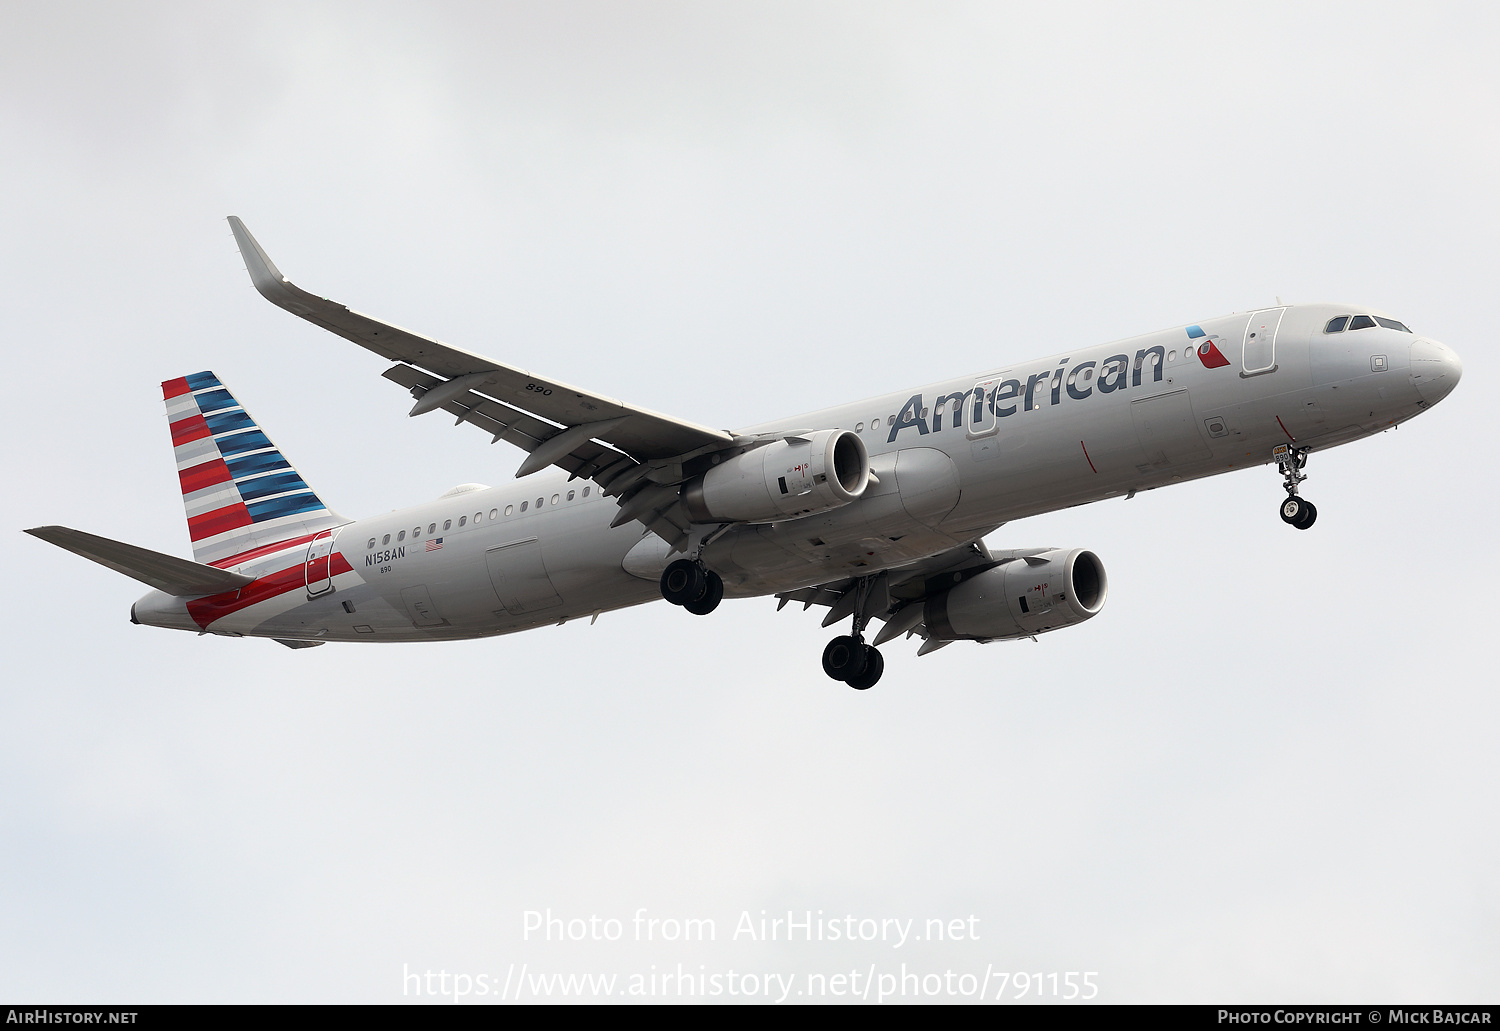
{"x":623,"y":448}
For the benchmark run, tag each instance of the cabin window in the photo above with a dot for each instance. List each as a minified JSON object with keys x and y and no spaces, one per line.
{"x":525,"y":505}
{"x":1336,"y":325}
{"x":1361,"y":322}
{"x":462,"y":520}
{"x":1171,"y":356}
{"x":478,"y":516}
{"x":890,"y":420}
{"x":538,"y":502}
{"x":874,"y":423}
{"x":386,"y":539}
{"x":494,"y":513}
{"x":859,"y":427}
{"x":570,"y":495}
{"x":509,"y":509}
{"x":447,"y":524}
{"x":371,"y":544}
{"x":431,"y":528}
{"x":585,"y":492}
{"x":556,"y":498}
{"x":401,"y":536}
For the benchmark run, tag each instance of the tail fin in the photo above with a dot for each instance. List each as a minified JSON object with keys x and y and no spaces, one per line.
{"x":240,"y":493}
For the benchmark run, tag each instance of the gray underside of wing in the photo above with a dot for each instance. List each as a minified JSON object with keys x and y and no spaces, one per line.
{"x":896,"y":595}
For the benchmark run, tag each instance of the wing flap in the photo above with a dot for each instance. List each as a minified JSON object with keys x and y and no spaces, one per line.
{"x":906,"y":588}
{"x":511,"y":425}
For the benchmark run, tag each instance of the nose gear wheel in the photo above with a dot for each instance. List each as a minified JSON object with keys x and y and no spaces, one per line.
{"x":1295,"y":510}
{"x":1298,"y":512}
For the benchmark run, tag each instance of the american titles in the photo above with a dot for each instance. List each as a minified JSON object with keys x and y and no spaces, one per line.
{"x":998,"y":398}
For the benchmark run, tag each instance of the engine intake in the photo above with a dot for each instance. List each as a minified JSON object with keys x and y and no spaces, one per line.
{"x":787,"y":478}
{"x":1020,"y":598}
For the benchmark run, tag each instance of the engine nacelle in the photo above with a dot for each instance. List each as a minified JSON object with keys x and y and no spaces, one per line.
{"x":782,"y":480}
{"x":1020,"y":598}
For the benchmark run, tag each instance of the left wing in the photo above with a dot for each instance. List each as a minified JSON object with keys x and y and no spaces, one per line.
{"x":619,"y":446}
{"x":897,"y":595}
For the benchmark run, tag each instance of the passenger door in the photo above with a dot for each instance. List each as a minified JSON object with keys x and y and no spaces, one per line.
{"x":317,"y":572}
{"x":1260,"y":341}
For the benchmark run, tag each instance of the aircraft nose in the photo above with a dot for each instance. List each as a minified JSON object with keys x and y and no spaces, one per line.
{"x":1435,"y":369}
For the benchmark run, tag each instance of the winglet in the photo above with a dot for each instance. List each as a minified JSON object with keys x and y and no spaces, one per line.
{"x":268,"y":280}
{"x":263,"y":272}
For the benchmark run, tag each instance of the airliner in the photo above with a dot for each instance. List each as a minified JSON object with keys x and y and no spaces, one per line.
{"x":875,"y":509}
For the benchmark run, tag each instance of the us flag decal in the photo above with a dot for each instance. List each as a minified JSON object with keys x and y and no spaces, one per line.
{"x":434,"y":544}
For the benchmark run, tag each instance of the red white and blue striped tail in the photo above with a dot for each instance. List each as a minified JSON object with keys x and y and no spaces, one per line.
{"x":241,"y":495}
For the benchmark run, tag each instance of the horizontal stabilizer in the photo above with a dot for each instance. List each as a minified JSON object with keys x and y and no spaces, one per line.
{"x":176,"y":576}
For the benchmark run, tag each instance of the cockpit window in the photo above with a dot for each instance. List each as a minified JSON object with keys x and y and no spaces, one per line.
{"x":1361,"y":322}
{"x":1336,"y":325}
{"x":1391,"y":324}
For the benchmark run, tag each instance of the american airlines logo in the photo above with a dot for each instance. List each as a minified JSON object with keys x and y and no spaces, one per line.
{"x":986,"y":401}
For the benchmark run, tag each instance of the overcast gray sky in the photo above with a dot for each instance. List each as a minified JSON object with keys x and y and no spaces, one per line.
{"x":1266,"y":772}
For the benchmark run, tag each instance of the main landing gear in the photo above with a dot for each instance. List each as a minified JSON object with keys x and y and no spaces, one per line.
{"x":855,"y":663}
{"x":1295,"y":511}
{"x":848,"y":658}
{"x":691,"y":585}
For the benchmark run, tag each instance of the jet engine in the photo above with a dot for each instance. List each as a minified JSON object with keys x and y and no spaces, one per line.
{"x":784,"y":479}
{"x":1026,"y":595}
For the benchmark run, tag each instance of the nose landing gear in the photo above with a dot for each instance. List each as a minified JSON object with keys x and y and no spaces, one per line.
{"x":691,"y":585}
{"x":1295,"y":511}
{"x":1298,"y":512}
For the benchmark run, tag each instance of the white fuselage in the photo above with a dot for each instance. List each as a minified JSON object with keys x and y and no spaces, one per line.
{"x":1063,"y":431}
